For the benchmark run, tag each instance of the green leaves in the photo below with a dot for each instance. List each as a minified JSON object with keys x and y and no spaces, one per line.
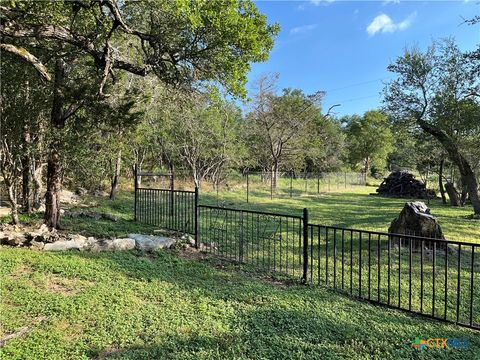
{"x":369,"y":139}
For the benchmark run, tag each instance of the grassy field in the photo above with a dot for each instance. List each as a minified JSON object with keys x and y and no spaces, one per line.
{"x":135,"y":305}
{"x":132,"y":305}
{"x":351,"y":208}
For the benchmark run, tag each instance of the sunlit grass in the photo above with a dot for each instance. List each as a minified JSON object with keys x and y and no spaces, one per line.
{"x":351,"y":208}
{"x":129,"y":305}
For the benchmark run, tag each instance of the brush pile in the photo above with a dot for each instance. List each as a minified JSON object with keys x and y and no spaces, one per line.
{"x":402,"y":184}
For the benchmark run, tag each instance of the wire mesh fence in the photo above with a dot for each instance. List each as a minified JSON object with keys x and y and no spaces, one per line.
{"x":251,"y":185}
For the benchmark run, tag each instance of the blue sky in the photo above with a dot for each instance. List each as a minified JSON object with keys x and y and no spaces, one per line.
{"x":344,"y":47}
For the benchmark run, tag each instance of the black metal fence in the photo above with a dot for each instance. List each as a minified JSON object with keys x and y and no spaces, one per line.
{"x":432,"y":277}
{"x":172,"y":210}
{"x":272,"y":242}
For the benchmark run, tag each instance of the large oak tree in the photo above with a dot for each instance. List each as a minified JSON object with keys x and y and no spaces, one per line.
{"x":435,"y":91}
{"x":185,"y":43}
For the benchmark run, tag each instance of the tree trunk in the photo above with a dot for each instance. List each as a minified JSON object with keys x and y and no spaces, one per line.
{"x":274,"y":174}
{"x":116,"y":177}
{"x":12,"y":198}
{"x":196,"y":180}
{"x":463,"y":195}
{"x":440,"y":181}
{"x":452,"y":194}
{"x":37,"y":184}
{"x":26,"y":159}
{"x":54,"y":166}
{"x":366,"y":169}
{"x":468,"y":176}
{"x":139,"y":158}
{"x":52,"y":196}
{"x":26,"y":184}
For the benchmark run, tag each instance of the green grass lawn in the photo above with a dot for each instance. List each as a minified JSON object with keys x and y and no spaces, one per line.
{"x":130,"y":305}
{"x":135,"y":305}
{"x":351,"y":208}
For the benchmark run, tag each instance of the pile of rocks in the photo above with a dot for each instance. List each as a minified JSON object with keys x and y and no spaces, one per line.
{"x":51,"y":240}
{"x":401,"y":184}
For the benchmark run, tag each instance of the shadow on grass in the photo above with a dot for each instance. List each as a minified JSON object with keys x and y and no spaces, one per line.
{"x":273,"y":321}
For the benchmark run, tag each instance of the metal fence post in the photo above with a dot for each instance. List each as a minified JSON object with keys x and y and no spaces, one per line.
{"x":240,"y":250}
{"x":291,"y":182}
{"x":271,"y":185}
{"x":305,"y":245}
{"x":318,"y":183}
{"x":248,"y":187}
{"x":197,"y":220}
{"x":172,"y":194}
{"x":135,"y":185}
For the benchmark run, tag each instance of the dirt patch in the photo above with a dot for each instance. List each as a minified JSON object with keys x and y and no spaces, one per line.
{"x":21,"y":271}
{"x":191,"y":253}
{"x":72,"y":332}
{"x":60,"y":288}
{"x":66,"y":286}
{"x":107,"y":353}
{"x":4,"y":211}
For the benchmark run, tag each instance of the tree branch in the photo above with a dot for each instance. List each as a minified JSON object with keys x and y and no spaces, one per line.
{"x":29,"y":58}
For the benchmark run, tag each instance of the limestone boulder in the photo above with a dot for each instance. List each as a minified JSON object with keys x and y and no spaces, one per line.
{"x":62,"y":245}
{"x":416,"y":219}
{"x":151,"y":242}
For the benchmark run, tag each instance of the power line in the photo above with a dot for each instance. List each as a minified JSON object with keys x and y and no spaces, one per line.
{"x":356,"y":99}
{"x":358,"y":84}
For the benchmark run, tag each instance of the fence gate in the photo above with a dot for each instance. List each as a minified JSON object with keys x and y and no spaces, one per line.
{"x":166,"y":208}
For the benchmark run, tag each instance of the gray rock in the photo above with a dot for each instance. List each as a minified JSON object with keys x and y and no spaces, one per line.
{"x":101,"y":245}
{"x":62,"y":246}
{"x":40,"y":207}
{"x":68,"y":197}
{"x":37,"y":245}
{"x":124,"y":244}
{"x":80,"y":191}
{"x":415,"y":219}
{"x":14,"y":239}
{"x":207,"y":246}
{"x":43,"y":234}
{"x":112,"y":245}
{"x":151,"y":242}
{"x":80,"y":240}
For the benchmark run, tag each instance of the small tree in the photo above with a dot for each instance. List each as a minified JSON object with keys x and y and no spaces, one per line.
{"x":369,"y":139}
{"x":283,"y":124}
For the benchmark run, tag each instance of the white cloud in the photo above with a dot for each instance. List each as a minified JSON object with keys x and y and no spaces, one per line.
{"x":386,"y":2}
{"x":383,"y":23}
{"x":303,"y":29}
{"x":300,"y":7}
{"x":318,"y":2}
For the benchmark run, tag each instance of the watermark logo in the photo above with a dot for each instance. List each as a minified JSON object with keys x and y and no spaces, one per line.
{"x":440,"y":343}
{"x":419,"y":344}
